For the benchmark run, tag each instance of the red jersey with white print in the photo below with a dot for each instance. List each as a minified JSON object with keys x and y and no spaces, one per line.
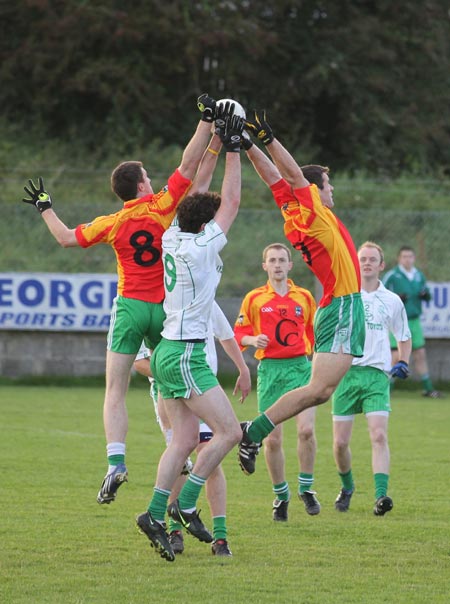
{"x":286,"y":320}
{"x":323,"y":240}
{"x":135,"y":234}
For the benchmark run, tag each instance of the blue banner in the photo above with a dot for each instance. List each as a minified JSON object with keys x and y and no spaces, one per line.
{"x":82,"y":302}
{"x":436,"y":313}
{"x":56,"y":301}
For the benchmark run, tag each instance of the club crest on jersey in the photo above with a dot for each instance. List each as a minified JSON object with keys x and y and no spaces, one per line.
{"x":298,"y":311}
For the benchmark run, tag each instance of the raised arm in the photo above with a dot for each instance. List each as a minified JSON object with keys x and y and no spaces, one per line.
{"x":41,"y":199}
{"x":195,"y":149}
{"x":264,"y":166}
{"x":208,"y":164}
{"x":230,"y":136}
{"x":287,"y":165}
{"x":63,"y":235}
{"x":258,"y":125}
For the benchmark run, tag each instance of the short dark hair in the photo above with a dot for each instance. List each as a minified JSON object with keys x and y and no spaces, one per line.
{"x":313,"y":174}
{"x":197,"y":209}
{"x":406,"y":248}
{"x":125,"y":179}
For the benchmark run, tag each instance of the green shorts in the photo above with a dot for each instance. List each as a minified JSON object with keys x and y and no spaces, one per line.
{"x":181,"y":368}
{"x":361,"y":390}
{"x":340,"y":326}
{"x":418,"y":340}
{"x":133,"y":321}
{"x":278,"y":376}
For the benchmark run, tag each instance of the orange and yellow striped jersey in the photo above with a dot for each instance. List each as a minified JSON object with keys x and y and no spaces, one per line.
{"x":286,"y":320}
{"x":323,"y":240}
{"x":135,"y":235}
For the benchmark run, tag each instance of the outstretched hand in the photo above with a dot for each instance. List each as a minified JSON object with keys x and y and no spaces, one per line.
{"x":38,"y":196}
{"x":258,"y":125}
{"x":207,"y":106}
{"x":231,"y":133}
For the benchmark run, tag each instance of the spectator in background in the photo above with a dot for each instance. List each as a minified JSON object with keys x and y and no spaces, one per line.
{"x":277,"y":320}
{"x":410,"y":284}
{"x":365,"y":388}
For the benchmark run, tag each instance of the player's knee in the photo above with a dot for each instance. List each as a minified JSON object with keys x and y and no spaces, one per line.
{"x":236,"y":435}
{"x":231,"y":436}
{"x":273,"y":443}
{"x":322,"y":395}
{"x":379,"y":437}
{"x":306,"y":433}
{"x":340,"y":444}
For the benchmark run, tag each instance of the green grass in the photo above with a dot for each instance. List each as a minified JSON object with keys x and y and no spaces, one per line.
{"x":58,"y":545}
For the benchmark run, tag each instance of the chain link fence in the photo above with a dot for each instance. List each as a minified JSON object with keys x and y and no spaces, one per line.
{"x":28,"y":246}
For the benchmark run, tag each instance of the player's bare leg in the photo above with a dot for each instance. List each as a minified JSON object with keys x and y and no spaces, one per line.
{"x":115,"y":420}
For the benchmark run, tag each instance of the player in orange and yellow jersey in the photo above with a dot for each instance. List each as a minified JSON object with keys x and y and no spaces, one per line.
{"x":305,"y":197}
{"x":277,"y":319}
{"x":134,"y":232}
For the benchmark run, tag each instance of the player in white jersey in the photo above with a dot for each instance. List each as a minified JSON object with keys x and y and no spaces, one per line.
{"x":192,"y":270}
{"x":216,"y":487}
{"x":365,"y":388}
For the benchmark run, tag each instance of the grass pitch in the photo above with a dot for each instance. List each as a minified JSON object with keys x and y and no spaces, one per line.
{"x":57,"y":545}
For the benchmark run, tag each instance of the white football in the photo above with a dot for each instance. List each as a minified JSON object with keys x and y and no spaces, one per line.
{"x":238,"y":109}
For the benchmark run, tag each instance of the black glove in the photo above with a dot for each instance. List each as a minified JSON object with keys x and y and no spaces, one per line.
{"x":231,"y":134}
{"x":38,"y":196}
{"x":207,"y":106}
{"x":425,"y":295}
{"x":400,"y":370}
{"x":403,"y":298}
{"x":259,"y":127}
{"x":246,"y":141}
{"x":223,"y":112}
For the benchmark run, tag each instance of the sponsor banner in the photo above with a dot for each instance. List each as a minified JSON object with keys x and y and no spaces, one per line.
{"x":56,"y":301}
{"x":436,"y":313}
{"x":82,"y":302}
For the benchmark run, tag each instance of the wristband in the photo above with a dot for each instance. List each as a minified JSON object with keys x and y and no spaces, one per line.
{"x":212,"y":151}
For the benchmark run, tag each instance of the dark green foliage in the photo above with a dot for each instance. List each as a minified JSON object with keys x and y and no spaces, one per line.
{"x":356,"y":84}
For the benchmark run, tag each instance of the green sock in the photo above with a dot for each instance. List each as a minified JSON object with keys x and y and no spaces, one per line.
{"x":281,"y":491}
{"x":305,"y":482}
{"x":381,"y":484}
{"x":219,"y":527}
{"x":347,"y":480}
{"x":158,"y":504}
{"x":174,"y":525}
{"x":190,"y":492}
{"x":427,"y":383}
{"x":260,"y":428}
{"x":115,"y":460}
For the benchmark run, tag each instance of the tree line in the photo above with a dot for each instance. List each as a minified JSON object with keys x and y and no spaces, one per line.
{"x":361,"y":85}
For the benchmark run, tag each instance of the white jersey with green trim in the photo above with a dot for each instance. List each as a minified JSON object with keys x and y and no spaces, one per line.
{"x":384,"y":312}
{"x":192,"y":272}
